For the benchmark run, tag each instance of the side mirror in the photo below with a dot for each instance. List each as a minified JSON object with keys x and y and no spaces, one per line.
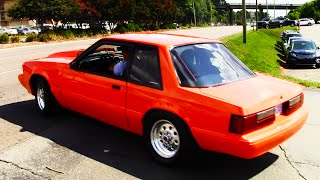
{"x":318,"y":47}
{"x":80,"y":52}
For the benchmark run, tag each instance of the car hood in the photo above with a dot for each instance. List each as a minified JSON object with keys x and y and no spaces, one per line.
{"x":66,"y":54}
{"x":304,"y":52}
{"x":254,"y":94}
{"x":64,"y":57}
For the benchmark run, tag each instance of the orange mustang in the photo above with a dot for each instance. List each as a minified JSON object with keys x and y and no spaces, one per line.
{"x":178,"y":92}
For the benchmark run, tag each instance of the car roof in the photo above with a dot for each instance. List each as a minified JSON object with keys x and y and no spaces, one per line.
{"x":160,"y":39}
{"x":293,"y":32}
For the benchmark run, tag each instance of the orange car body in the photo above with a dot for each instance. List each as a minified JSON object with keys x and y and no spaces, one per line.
{"x":206,"y":111}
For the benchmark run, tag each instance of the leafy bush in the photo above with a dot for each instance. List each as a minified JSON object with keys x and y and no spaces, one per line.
{"x":31,"y":37}
{"x":121,"y":28}
{"x":15,"y":39}
{"x":4,"y":38}
{"x":68,"y":34}
{"x":131,"y":27}
{"x":47,"y":37}
{"x":79,"y":32}
{"x":168,"y":26}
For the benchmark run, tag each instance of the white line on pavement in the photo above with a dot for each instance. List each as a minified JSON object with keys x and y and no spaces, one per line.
{"x":47,"y":44}
{"x":10,"y":71}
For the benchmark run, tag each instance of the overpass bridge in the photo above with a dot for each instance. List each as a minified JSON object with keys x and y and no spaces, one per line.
{"x":229,"y":7}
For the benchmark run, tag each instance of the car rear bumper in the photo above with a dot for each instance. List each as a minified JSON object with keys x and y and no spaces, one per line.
{"x":255,"y":143}
{"x":24,"y":82}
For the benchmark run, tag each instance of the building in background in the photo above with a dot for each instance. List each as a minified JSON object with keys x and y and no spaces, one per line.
{"x":6,"y":21}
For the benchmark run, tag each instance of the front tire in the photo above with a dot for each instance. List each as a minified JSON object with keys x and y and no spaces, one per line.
{"x":167,"y":138}
{"x":45,"y":100}
{"x":267,"y":26}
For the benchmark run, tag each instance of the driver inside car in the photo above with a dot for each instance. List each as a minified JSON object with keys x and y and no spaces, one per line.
{"x":119,"y":67}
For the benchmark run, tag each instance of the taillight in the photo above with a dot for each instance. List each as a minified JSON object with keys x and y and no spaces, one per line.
{"x":293,"y":104}
{"x":242,"y":124}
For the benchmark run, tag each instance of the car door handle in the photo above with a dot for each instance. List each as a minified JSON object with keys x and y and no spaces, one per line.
{"x":116,"y":87}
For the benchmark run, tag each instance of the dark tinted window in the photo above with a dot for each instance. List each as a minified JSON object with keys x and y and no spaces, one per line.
{"x":303,"y":45}
{"x":145,"y":68}
{"x":203,"y":65}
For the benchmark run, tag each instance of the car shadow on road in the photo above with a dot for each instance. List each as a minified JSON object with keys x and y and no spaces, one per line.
{"x":125,"y":151}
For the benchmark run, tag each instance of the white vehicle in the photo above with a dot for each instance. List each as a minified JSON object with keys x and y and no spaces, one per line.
{"x":8,"y":31}
{"x":306,"y":22}
{"x":26,"y":31}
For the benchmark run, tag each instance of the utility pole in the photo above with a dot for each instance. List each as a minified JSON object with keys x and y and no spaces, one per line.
{"x":194,"y":14}
{"x":274,"y":8}
{"x":267,"y":8}
{"x":244,"y":21}
{"x":257,"y":15}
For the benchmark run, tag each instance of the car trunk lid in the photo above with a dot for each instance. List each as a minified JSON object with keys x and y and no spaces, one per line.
{"x":254,"y":94}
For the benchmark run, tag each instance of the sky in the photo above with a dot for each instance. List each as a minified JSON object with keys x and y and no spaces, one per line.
{"x":271,"y":11}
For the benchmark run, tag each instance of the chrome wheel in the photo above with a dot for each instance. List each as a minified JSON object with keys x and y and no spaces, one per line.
{"x":165,"y":138}
{"x":41,"y":97}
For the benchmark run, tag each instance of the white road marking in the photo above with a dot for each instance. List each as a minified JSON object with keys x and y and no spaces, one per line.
{"x":9,"y":71}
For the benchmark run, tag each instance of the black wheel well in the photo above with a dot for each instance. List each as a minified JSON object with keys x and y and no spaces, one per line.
{"x":153,"y":111}
{"x":33,"y":82}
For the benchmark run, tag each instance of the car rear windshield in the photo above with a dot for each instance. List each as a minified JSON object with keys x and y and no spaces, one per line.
{"x":205,"y":65}
{"x":293,"y":35}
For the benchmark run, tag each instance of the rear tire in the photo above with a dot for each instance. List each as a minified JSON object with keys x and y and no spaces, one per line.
{"x":309,"y":24}
{"x":267,"y":26}
{"x":45,"y":101}
{"x":292,"y":24}
{"x":167,"y":138}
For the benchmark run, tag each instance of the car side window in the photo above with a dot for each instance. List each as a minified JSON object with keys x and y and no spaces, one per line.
{"x":106,"y":60}
{"x":145,"y":67}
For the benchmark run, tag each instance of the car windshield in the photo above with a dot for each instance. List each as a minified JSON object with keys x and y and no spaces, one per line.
{"x":303,"y":45}
{"x":205,"y":65}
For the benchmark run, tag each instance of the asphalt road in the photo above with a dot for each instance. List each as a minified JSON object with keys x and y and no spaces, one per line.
{"x":71,"y":146}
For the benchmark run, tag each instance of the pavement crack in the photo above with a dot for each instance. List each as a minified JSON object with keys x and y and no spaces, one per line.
{"x":306,"y":164}
{"x":22,"y":168}
{"x":286,"y":156}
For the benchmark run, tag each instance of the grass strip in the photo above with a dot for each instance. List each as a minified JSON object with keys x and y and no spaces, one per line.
{"x":260,"y":53}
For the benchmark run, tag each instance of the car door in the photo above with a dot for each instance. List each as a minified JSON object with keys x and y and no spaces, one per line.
{"x":145,"y":87}
{"x":303,"y":22}
{"x":90,"y":87}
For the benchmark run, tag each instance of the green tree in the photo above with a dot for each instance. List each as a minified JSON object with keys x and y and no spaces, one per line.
{"x":42,"y":10}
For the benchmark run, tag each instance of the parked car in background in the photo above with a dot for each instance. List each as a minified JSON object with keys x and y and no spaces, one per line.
{"x":283,"y":35}
{"x":303,"y":52}
{"x":161,"y":93}
{"x":270,"y":23}
{"x":290,"y":40}
{"x":253,"y":24}
{"x":318,"y":22}
{"x":288,"y":22}
{"x":306,"y":22}
{"x":26,"y":31}
{"x":291,"y":34}
{"x":8,"y":31}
